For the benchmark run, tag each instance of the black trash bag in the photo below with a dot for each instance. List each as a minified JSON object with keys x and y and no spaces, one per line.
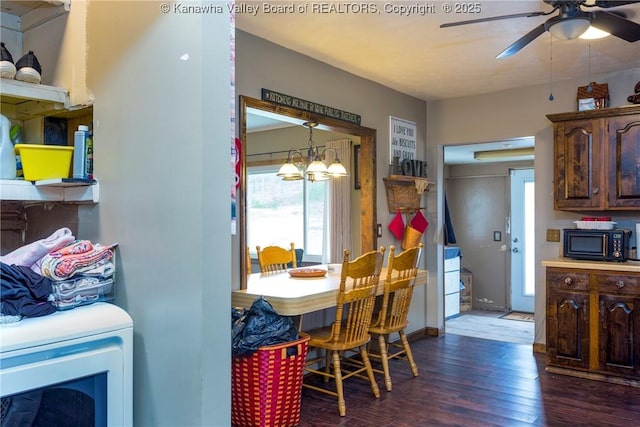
{"x":260,"y":326}
{"x":238,"y":316}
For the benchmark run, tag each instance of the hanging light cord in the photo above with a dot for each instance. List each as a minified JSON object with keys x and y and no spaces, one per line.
{"x":550,"y":68}
{"x":589,"y":87}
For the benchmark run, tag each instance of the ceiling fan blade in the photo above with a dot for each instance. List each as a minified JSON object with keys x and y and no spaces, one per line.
{"x":522,"y":42}
{"x":613,"y":3}
{"x":494,"y":18}
{"x":616,"y":25}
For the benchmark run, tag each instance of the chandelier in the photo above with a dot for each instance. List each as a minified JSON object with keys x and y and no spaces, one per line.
{"x":312,"y":165}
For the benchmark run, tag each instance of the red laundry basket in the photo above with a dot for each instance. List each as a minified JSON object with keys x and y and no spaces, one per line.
{"x":266,"y":387}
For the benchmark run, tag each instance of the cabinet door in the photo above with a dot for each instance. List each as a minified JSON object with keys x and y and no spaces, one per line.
{"x":624,"y":162}
{"x":619,"y":335}
{"x":568,"y":329}
{"x":577,"y":166}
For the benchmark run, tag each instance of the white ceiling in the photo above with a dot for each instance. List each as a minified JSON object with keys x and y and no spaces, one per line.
{"x":413,"y":55}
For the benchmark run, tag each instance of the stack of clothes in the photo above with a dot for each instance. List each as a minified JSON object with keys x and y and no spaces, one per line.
{"x":55,"y":273}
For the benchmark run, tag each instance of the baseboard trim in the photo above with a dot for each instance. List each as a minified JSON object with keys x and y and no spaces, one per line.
{"x":593,"y":376}
{"x":427,"y":331}
{"x":539,"y":348}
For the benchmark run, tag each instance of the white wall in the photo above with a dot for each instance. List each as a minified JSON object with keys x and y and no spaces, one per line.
{"x":162,"y":155}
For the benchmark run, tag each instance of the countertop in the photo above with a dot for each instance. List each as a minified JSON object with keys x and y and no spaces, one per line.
{"x":632,"y":266}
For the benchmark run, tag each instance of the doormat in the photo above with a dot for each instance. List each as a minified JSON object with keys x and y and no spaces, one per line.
{"x":517,"y":315}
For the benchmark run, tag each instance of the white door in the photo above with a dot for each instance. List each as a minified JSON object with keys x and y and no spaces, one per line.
{"x":522,"y":240}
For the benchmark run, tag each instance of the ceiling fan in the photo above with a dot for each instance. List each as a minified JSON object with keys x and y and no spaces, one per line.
{"x":571,"y":21}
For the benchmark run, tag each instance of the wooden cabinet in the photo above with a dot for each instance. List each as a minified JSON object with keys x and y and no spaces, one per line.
{"x":623,"y":162}
{"x":619,"y":324}
{"x":593,"y":323}
{"x":595,"y":166}
{"x":568,"y":318}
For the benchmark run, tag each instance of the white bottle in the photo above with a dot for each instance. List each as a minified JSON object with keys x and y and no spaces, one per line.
{"x":7,"y":153}
{"x":80,"y":152}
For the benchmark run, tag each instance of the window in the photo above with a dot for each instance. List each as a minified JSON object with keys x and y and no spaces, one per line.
{"x":280,"y":212}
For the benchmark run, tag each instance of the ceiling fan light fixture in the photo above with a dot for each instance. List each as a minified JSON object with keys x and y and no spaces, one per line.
{"x":594,"y":33}
{"x":568,"y":29}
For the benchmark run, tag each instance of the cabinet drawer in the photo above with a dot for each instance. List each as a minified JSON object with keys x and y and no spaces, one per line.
{"x":567,"y":280}
{"x":452,"y":264}
{"x":451,"y":305}
{"x":618,"y":283}
{"x":451,"y":282}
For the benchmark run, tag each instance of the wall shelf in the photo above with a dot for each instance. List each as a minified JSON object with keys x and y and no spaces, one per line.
{"x":402,"y":193}
{"x":25,"y":101}
{"x":27,"y":191}
{"x":30,"y":14}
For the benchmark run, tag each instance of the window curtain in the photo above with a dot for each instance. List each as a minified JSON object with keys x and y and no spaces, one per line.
{"x":338,"y":223}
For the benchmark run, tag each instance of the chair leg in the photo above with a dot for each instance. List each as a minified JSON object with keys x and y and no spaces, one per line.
{"x":327,"y":365}
{"x":384,"y":358}
{"x":407,"y":349}
{"x":337,"y":372}
{"x":367,"y":363}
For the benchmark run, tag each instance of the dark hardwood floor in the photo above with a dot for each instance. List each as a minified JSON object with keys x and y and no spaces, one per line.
{"x":467,"y":381}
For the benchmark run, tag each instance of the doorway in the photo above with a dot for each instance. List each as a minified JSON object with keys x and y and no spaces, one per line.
{"x":478,"y":193}
{"x":522,"y":240}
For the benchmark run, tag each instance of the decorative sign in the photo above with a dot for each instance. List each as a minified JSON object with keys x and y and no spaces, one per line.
{"x":408,"y":167}
{"x":312,"y":107}
{"x":402,"y":138}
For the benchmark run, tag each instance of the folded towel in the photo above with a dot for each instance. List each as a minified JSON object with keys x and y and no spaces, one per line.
{"x":75,"y":258}
{"x":28,"y":255}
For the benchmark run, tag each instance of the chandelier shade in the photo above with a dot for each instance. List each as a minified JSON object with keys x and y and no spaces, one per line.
{"x":312,"y":167}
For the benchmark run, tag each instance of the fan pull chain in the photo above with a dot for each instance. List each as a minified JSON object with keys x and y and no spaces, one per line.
{"x":589,"y":87}
{"x":550,"y":67}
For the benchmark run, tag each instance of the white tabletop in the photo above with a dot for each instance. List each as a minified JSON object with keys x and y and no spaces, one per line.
{"x":291,"y":296}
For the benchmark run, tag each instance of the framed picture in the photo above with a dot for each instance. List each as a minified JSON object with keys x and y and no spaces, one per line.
{"x":356,"y":167}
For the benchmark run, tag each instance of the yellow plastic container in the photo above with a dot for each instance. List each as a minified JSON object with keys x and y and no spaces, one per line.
{"x":44,"y":161}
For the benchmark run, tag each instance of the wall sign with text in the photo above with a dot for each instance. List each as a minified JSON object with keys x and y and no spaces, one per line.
{"x":402,"y":139}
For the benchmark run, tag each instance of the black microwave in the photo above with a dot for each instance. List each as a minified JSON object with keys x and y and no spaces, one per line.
{"x":596,"y":245}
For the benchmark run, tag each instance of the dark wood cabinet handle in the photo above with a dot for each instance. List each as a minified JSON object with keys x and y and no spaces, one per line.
{"x":568,"y":281}
{"x":620,"y":284}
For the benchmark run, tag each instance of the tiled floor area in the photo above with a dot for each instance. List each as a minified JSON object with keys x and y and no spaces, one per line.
{"x":489,"y":325}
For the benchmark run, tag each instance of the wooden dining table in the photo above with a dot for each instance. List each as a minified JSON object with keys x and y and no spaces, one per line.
{"x":294,"y":296}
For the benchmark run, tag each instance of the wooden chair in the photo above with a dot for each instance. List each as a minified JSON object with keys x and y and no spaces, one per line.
{"x":350,"y":330}
{"x":273,"y":259}
{"x":402,"y":270}
{"x":249,"y":269}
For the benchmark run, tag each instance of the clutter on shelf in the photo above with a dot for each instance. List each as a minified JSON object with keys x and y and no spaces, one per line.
{"x":27,"y":69}
{"x":635,"y":98}
{"x":593,"y":96}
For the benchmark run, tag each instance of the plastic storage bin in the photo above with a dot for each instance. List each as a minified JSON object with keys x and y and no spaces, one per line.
{"x":83,"y":289}
{"x":266,"y":387}
{"x":44,"y":161}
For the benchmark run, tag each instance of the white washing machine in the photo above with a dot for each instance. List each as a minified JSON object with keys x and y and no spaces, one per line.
{"x":68,"y":368}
